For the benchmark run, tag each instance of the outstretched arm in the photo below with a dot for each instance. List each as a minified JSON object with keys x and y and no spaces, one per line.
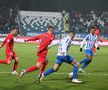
{"x":34,"y":38}
{"x":83,"y":42}
{"x":53,"y":44}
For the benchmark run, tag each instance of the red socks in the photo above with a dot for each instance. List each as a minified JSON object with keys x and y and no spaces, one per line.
{"x":43,"y":68}
{"x":33,"y":68}
{"x":15,"y":66}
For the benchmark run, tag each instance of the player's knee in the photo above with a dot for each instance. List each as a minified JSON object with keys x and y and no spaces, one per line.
{"x":55,"y":69}
{"x":90,"y":58}
{"x":39,"y":65}
{"x":8,"y":62}
{"x":17,"y":59}
{"x":75,"y":63}
{"x":46,"y":62}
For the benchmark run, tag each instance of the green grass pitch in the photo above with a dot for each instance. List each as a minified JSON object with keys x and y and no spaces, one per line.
{"x":96,"y":80}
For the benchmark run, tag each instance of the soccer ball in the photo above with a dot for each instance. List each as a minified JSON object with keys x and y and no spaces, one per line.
{"x":70,"y":75}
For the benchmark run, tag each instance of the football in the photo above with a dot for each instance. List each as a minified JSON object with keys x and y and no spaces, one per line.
{"x":70,"y":75}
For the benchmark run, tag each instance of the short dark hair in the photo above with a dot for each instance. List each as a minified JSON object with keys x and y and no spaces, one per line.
{"x":92,"y":27}
{"x":50,"y":26}
{"x":13,"y":28}
{"x":71,"y":32}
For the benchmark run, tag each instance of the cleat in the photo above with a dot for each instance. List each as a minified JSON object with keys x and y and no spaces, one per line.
{"x":22,"y":73}
{"x":76,"y":81}
{"x":40,"y":77}
{"x":81,"y":70}
{"x":14,"y":73}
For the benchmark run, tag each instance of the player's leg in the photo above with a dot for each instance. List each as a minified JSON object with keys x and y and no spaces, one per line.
{"x":31,"y":69}
{"x":75,"y":71}
{"x":15,"y":66}
{"x":15,"y":57}
{"x":40,"y":61}
{"x":42,"y":68}
{"x":94,"y":50}
{"x":7,"y":61}
{"x":75,"y":65}
{"x":86,"y":61}
{"x":54,"y":69}
{"x":50,"y":71}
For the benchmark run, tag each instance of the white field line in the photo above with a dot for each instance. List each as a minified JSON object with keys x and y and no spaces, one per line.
{"x":89,"y":74}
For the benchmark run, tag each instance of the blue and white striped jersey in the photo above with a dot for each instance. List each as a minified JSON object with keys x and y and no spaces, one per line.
{"x":89,"y":41}
{"x":64,"y":46}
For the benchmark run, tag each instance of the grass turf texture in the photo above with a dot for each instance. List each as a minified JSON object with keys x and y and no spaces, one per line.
{"x":27,"y":56}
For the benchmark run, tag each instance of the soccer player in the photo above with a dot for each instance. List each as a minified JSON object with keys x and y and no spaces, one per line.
{"x":97,"y":32}
{"x":46,"y":39}
{"x":63,"y":56}
{"x":10,"y":54}
{"x":90,"y":40}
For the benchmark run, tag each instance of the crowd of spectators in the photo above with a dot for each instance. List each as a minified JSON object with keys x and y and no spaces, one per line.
{"x":7,"y":19}
{"x":81,"y":20}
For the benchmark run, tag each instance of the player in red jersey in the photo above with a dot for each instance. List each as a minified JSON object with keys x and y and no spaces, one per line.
{"x":10,"y":54}
{"x":97,"y":32}
{"x":46,"y":39}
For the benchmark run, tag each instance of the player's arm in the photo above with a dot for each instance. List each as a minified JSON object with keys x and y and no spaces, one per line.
{"x":83,"y":42}
{"x":4,"y":42}
{"x":96,"y":44}
{"x":99,"y":38}
{"x":53,"y":45}
{"x":34,"y":38}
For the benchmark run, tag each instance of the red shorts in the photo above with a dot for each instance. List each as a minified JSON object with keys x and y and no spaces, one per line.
{"x":9,"y":57}
{"x":41,"y":58}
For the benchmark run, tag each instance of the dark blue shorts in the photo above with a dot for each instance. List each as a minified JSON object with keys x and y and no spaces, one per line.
{"x":88,"y":52}
{"x":68,"y":59}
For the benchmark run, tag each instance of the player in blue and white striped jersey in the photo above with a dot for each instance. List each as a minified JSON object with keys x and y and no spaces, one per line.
{"x":90,"y":41}
{"x":63,"y":56}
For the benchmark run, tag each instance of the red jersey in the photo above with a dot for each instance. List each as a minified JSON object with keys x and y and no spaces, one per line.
{"x":46,"y":39}
{"x":97,"y":32}
{"x":9,"y":41}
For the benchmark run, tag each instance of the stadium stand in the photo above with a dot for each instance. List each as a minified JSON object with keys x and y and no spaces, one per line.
{"x":33,"y":23}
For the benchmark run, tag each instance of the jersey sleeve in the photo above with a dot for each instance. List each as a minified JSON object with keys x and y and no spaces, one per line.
{"x":83,"y":42}
{"x":35,"y":38}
